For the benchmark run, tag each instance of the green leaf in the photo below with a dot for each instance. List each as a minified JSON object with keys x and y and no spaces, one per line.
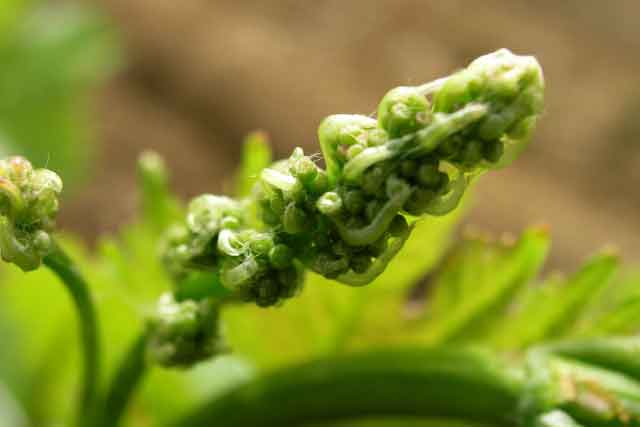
{"x":477,"y":284}
{"x":159,"y":206}
{"x":617,"y":311}
{"x":10,"y":12}
{"x":555,"y":309}
{"x":256,"y":156}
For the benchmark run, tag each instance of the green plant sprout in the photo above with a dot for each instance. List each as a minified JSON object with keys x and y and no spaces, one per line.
{"x":293,"y":223}
{"x":348,"y":222}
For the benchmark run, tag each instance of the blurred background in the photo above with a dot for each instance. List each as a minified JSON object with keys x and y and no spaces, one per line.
{"x":86,"y":86}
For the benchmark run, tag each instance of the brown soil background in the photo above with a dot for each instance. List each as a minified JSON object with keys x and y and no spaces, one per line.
{"x":200,"y":74}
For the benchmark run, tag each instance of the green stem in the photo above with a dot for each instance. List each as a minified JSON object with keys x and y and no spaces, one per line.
{"x":620,"y":354}
{"x":412,"y":382}
{"x":378,"y":266}
{"x":69,"y":274}
{"x":128,"y":376}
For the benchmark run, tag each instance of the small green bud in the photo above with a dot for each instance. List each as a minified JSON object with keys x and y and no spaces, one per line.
{"x":302,"y":167}
{"x":206,"y":212}
{"x":175,"y":251}
{"x":28,"y":207}
{"x":408,"y":168}
{"x":277,"y":203}
{"x":330,"y":203}
{"x":291,"y":281}
{"x":42,"y":242}
{"x":280,"y":256}
{"x":17,"y":169}
{"x":373,"y":179}
{"x":353,"y":134}
{"x":450,"y":147}
{"x":360,"y":263}
{"x":261,"y":243}
{"x":429,"y":175}
{"x":403,"y":110}
{"x":269,"y":216}
{"x":354,"y":201}
{"x":376,"y":137}
{"x":337,"y":131}
{"x":472,"y":154}
{"x":394,"y":186}
{"x":235,"y":274}
{"x":419,"y":200}
{"x":320,"y":183}
{"x":510,"y":86}
{"x":492,"y":151}
{"x":523,"y":129}
{"x":398,"y":226}
{"x":354,"y":150}
{"x":184,"y":333}
{"x":295,"y":220}
{"x":326,"y":264}
{"x":266,"y":292}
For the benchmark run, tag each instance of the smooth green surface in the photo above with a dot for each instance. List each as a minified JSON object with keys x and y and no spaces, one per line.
{"x":428,"y":383}
{"x":78,"y":288}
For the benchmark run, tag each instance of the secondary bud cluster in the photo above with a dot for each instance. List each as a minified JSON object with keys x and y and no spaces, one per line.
{"x":183,"y":333}
{"x":255,"y":265}
{"x":28,"y":207}
{"x":258,"y":268}
{"x":192,"y":245}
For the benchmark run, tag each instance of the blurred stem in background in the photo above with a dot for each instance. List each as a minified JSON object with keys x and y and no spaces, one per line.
{"x":128,"y":376}
{"x":52,"y":56}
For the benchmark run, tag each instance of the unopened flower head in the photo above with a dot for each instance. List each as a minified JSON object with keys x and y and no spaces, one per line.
{"x":28,"y":207}
{"x":183,"y":333}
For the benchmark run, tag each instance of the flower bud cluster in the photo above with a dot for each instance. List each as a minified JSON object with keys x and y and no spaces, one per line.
{"x":183,"y":333}
{"x":28,"y":207}
{"x":255,"y":265}
{"x":334,"y":230}
{"x":511,"y":87}
{"x":347,"y":222}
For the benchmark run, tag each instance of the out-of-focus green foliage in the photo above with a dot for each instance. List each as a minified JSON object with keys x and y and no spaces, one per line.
{"x":10,"y":11}
{"x":255,"y":157}
{"x":479,"y":291}
{"x":40,"y":357}
{"x":51,"y":57}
